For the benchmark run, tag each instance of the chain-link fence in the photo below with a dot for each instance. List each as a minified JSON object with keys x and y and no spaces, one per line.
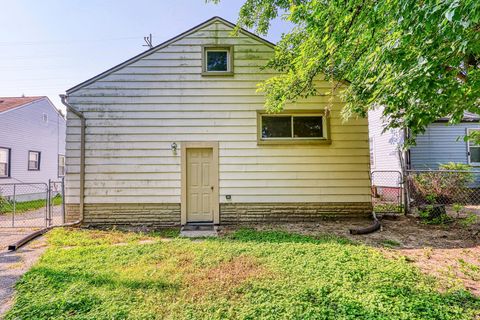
{"x":56,"y":208}
{"x":449,"y":191}
{"x":26,"y":205}
{"x":387,"y":192}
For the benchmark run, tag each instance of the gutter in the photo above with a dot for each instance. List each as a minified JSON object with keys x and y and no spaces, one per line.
{"x":70,"y":108}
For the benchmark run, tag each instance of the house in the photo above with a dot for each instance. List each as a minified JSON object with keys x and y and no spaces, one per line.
{"x":178,"y":134}
{"x":440,"y":143}
{"x":443,"y":143}
{"x":32,"y":142}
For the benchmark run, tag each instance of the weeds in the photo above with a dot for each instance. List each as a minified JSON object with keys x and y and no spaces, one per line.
{"x":249,"y":275}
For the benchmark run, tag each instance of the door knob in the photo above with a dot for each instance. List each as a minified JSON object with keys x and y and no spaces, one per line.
{"x":211,"y":187}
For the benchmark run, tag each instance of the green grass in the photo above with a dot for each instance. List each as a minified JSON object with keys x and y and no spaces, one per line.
{"x":248,"y":275}
{"x":24,"y":206}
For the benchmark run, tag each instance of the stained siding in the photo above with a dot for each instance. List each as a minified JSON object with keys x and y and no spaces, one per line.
{"x":136,"y":113}
{"x":441,"y":143}
{"x":23,"y":129}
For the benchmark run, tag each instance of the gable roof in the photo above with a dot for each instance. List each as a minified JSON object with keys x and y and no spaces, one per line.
{"x":9,"y":103}
{"x":165,"y":44}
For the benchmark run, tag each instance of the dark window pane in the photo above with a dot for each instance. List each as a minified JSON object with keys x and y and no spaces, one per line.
{"x":217,"y":61}
{"x":276,"y":127}
{"x":475,"y":154}
{"x":307,"y":127}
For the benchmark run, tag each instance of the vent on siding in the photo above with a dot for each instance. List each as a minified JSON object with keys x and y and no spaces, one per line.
{"x":45,"y":118}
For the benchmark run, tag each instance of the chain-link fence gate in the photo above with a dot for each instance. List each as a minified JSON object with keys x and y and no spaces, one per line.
{"x":31,"y":205}
{"x":387,"y":191}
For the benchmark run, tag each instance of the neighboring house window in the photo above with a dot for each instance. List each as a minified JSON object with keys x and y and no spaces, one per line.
{"x":33,"y":160}
{"x":4,"y":162}
{"x":61,"y":165}
{"x":473,"y":151}
{"x":372,"y":152}
{"x":217,"y":61}
{"x":45,"y":117}
{"x":296,"y":127}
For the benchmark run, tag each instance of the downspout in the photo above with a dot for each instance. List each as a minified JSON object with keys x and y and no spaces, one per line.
{"x":70,"y":108}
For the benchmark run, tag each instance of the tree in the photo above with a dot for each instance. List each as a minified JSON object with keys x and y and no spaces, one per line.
{"x":418,"y":59}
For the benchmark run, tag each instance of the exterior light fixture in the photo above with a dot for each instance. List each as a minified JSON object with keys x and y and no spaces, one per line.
{"x":174,"y":148}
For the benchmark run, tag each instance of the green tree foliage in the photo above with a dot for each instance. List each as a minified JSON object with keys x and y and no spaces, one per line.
{"x":418,"y":59}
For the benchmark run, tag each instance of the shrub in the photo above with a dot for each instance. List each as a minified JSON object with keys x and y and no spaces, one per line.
{"x":3,"y":203}
{"x":447,"y":185}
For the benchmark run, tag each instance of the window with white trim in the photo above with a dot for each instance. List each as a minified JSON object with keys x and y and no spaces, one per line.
{"x":217,"y":60}
{"x":473,"y":151}
{"x":33,"y":160}
{"x":61,"y":165}
{"x":4,"y":162}
{"x":295,"y":127}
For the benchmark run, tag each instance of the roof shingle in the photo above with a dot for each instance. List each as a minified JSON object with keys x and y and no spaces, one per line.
{"x":8,"y":103}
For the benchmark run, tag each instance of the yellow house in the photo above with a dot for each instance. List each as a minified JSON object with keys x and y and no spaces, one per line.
{"x":178,"y":135}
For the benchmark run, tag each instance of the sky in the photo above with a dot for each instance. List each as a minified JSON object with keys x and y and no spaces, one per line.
{"x":48,"y":46}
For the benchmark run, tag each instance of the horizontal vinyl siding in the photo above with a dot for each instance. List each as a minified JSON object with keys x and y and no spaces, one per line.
{"x":441,"y":143}
{"x":136,"y":113}
{"x":23,"y":130}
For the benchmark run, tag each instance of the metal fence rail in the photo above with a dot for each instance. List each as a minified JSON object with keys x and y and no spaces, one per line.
{"x":26,"y":205}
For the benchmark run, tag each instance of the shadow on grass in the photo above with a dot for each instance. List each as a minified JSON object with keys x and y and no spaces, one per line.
{"x":251,"y":235}
{"x":61,"y":278}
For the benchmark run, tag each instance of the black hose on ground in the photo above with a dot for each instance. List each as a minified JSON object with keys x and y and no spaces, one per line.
{"x":38,"y":233}
{"x":372,"y":228}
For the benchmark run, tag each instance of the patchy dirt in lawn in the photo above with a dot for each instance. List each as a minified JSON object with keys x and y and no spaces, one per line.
{"x":225,"y":277}
{"x":451,"y":252}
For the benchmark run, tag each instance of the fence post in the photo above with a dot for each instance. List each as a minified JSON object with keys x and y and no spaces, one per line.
{"x":49,"y":203}
{"x":14,"y":205}
{"x":63,"y":200}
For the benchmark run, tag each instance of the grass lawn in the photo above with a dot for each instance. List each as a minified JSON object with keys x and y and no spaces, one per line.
{"x":248,"y":275}
{"x":25,"y":206}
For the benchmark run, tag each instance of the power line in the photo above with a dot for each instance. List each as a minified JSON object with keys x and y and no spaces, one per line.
{"x":55,"y":42}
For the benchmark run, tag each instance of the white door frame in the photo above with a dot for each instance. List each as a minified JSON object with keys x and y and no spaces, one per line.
{"x":214,"y":175}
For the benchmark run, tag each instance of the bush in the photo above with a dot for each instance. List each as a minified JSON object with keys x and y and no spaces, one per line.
{"x":444,"y":185}
{"x":3,"y":203}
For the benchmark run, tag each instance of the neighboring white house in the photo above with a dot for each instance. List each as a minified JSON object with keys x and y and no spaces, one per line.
{"x":32,"y":141}
{"x":440,"y":143}
{"x":178,"y":134}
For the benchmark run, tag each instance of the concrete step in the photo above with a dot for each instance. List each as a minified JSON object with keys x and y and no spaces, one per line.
{"x":198,"y":231}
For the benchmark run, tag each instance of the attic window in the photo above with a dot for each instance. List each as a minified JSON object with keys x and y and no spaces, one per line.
{"x":217,"y":61}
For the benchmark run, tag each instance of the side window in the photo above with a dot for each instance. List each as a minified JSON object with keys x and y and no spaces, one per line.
{"x":473,"y":151}
{"x":4,"y":163}
{"x":33,"y":160}
{"x":61,"y":165}
{"x":298,"y":127}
